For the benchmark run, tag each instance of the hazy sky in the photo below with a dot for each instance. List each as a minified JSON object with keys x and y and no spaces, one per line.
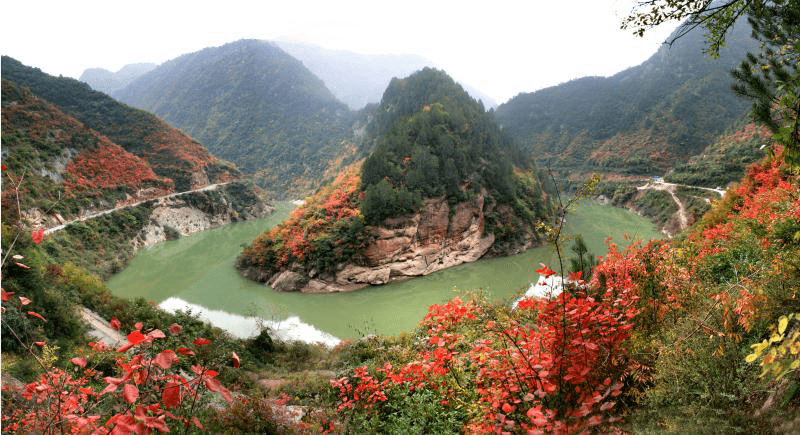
{"x":501,"y":47}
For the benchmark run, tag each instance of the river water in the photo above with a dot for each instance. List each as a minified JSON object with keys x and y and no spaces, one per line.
{"x":196,"y":272}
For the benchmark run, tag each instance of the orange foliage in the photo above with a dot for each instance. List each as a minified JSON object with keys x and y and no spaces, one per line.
{"x":106,"y":167}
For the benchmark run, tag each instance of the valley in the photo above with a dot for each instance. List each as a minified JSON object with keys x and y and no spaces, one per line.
{"x":276,"y":237}
{"x":193,"y":271}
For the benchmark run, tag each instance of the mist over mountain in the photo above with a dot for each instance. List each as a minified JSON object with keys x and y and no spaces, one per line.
{"x":253,"y":104}
{"x":103,"y":80}
{"x":640,"y":121}
{"x":359,"y":79}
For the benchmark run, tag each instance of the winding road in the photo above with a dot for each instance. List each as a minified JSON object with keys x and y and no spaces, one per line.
{"x":683,"y":218}
{"x":120,"y":207}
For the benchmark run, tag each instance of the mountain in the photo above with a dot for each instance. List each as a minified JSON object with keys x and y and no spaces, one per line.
{"x":253,"y":104}
{"x":442,"y":185}
{"x":97,"y":200}
{"x":360,"y":79}
{"x":726,"y":159}
{"x":109,"y":82}
{"x":640,"y":121}
{"x":68,"y":166}
{"x":169,"y":152}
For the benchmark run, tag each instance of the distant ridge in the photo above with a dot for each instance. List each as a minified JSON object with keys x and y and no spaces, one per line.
{"x":253,"y":104}
{"x":359,"y":79}
{"x":641,"y":121}
{"x":109,"y":82}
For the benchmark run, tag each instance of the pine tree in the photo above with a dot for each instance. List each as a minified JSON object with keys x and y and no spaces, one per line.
{"x":771,"y":78}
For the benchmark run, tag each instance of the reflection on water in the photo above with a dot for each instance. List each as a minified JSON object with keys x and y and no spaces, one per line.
{"x":291,"y":329}
{"x":198,"y":270}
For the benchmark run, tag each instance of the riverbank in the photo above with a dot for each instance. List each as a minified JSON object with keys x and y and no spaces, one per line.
{"x":199,"y":270}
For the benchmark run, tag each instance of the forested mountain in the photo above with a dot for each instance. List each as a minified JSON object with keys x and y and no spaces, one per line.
{"x":169,"y":152}
{"x":726,"y":159}
{"x":359,"y":79}
{"x":66,"y":166}
{"x":442,"y":185}
{"x":251,"y":103}
{"x":640,"y":121}
{"x":109,"y":82}
{"x":102,"y":179}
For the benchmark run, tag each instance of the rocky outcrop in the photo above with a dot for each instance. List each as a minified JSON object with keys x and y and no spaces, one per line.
{"x":197,"y":211}
{"x":437,"y":237}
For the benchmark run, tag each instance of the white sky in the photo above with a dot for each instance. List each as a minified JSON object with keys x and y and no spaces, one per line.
{"x":501,"y":47}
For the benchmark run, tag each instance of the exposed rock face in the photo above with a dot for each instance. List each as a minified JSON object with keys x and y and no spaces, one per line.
{"x":433,"y":239}
{"x":194,"y":212}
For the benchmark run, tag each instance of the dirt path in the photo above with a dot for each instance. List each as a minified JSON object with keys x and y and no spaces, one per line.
{"x":683,"y":218}
{"x":101,"y":329}
{"x":111,"y":210}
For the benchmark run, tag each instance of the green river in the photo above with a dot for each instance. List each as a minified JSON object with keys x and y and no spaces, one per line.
{"x":196,"y":272}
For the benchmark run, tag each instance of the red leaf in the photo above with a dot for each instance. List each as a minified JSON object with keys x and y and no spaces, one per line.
{"x":39,"y":343}
{"x":125,"y":347}
{"x":171,"y":396}
{"x":6,"y":296}
{"x":201,"y":341}
{"x":21,"y":265}
{"x":79,"y":361}
{"x":136,"y":337}
{"x":175,"y":329}
{"x":24,"y":301}
{"x":156,"y":333}
{"x":185,"y":351}
{"x":37,"y":235}
{"x":165,"y":359}
{"x":32,"y":313}
{"x":544,"y":270}
{"x":115,"y":324}
{"x":197,"y":423}
{"x":575,"y":276}
{"x":507,"y":408}
{"x":130,"y":392}
{"x":138,"y":325}
{"x":236,"y":362}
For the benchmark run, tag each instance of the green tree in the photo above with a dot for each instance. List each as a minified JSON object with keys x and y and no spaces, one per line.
{"x":584,"y":262}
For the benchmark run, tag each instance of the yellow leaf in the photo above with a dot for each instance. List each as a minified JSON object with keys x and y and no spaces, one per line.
{"x":752,"y":357}
{"x":775,"y":337}
{"x":795,"y":364}
{"x":782,"y":324}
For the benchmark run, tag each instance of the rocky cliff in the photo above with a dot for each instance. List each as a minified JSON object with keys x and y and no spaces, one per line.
{"x":181,"y":215}
{"x":437,"y":237}
{"x":440,"y":185}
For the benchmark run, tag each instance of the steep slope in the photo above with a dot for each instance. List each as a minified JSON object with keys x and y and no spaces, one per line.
{"x":91,"y":202}
{"x":169,"y":152}
{"x":359,"y":79}
{"x":67,"y":167}
{"x":109,"y":82}
{"x":640,"y":121}
{"x":438,"y":189}
{"x":251,"y":103}
{"x":726,"y":159}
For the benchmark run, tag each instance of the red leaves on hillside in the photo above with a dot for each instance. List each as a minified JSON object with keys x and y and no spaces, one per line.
{"x":107,"y":167}
{"x":293,"y":239}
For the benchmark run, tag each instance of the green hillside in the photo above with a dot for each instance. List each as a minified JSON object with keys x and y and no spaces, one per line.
{"x":433,"y":147}
{"x":641,"y":121}
{"x":251,"y":103}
